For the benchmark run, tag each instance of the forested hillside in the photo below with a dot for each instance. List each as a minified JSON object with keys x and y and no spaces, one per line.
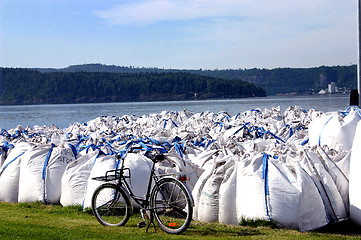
{"x":274,"y":81}
{"x":25,"y":86}
{"x":288,"y":80}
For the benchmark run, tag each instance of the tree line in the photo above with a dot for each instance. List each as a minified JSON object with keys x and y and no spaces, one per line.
{"x":274,"y":81}
{"x":288,"y":80}
{"x":27,"y":86}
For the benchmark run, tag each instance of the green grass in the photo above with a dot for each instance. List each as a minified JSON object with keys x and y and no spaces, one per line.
{"x":39,"y":221}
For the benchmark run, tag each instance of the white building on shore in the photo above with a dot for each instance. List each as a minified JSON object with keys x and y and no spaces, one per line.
{"x":332,"y":87}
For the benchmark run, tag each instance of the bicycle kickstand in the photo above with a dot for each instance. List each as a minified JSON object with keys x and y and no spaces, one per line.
{"x":149,"y":217}
{"x":151,"y":220}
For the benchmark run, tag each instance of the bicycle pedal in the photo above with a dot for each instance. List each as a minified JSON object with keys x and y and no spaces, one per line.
{"x":141,"y":224}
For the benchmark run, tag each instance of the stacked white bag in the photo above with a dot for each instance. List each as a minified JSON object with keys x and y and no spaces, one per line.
{"x":208,"y":199}
{"x":75,"y":179}
{"x":10,"y":172}
{"x":102,"y":163}
{"x":335,"y":130}
{"x":41,"y":170}
{"x":228,"y":196}
{"x":355,"y":178}
{"x":254,"y":165}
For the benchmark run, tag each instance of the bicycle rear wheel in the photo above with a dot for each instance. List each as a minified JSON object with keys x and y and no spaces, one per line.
{"x":111,"y":205}
{"x":172,"y":205}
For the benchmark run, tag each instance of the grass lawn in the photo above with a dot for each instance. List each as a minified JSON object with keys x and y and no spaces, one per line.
{"x":39,"y":221}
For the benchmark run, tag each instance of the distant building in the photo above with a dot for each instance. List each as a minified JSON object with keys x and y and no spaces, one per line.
{"x":332,"y":87}
{"x":322,"y":92}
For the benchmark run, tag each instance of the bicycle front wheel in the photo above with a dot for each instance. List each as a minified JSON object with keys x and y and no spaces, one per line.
{"x":172,"y":205}
{"x":111,"y":205}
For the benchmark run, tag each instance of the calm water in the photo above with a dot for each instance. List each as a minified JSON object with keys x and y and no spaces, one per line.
{"x":64,"y":114}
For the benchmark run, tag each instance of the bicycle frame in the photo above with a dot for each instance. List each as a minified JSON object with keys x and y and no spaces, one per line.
{"x":142,"y":202}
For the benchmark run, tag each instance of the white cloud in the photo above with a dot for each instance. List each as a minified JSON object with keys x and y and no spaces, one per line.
{"x":152,"y":11}
{"x":246,"y":33}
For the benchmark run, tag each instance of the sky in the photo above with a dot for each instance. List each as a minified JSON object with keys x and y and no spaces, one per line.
{"x":179,"y":34}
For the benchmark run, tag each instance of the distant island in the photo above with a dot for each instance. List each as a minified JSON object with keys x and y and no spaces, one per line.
{"x":108,"y":83}
{"x":274,"y":81}
{"x":32,"y":86}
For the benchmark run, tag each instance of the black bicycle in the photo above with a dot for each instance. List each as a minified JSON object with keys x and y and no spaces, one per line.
{"x":168,"y":201}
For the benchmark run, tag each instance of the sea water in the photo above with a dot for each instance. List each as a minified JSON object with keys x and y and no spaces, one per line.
{"x":62,"y":115}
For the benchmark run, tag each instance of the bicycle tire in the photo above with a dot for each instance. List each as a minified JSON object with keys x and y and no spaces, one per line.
{"x":111,"y":205}
{"x":172,"y":205}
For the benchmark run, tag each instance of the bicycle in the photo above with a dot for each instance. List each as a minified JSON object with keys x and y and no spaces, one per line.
{"x":168,"y":201}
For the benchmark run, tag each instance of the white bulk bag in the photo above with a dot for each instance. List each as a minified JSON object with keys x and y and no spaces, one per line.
{"x":250,"y":202}
{"x":340,"y":180}
{"x":200,"y":160}
{"x":60,"y":158}
{"x":208,"y":205}
{"x":140,"y":168}
{"x":75,"y":180}
{"x":312,"y":213}
{"x":41,"y":170}
{"x":326,"y":185}
{"x":10,"y":171}
{"x":268,"y":189}
{"x":293,"y":201}
{"x":346,"y":133}
{"x":101,"y":164}
{"x":322,"y":129}
{"x":227,"y":197}
{"x":334,"y":130}
{"x":196,"y":192}
{"x":355,"y":178}
{"x":183,"y":167}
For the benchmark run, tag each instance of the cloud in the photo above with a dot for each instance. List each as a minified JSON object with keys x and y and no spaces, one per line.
{"x":264,"y":33}
{"x":152,"y":11}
